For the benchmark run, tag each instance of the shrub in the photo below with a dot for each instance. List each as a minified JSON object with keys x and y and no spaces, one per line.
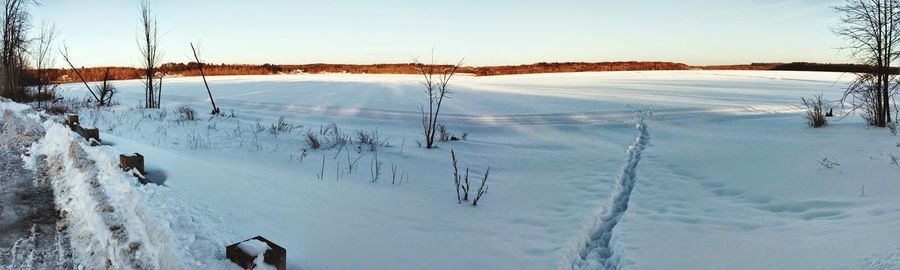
{"x":371,"y":139}
{"x":58,"y":109}
{"x":186,"y":113}
{"x":444,"y":134}
{"x":462,"y":182}
{"x":281,"y":126}
{"x":829,"y":163}
{"x":447,"y":136}
{"x":334,"y":136}
{"x":456,"y":177}
{"x":313,"y":141}
{"x":46,"y":95}
{"x":106,"y":91}
{"x":815,"y":114}
{"x":375,"y":168}
{"x":483,"y":189}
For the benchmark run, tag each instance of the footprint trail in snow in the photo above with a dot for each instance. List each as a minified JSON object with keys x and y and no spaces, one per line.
{"x":597,"y":252}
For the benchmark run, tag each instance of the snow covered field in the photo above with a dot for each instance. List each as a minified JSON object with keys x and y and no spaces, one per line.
{"x":627,"y":170}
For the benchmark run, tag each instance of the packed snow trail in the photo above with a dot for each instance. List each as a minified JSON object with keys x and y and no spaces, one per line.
{"x":32,"y":235}
{"x":596,"y":252}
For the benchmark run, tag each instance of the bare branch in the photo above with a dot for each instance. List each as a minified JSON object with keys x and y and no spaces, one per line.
{"x":65,"y":54}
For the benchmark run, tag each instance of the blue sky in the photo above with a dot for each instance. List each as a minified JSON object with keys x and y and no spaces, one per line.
{"x":486,"y":32}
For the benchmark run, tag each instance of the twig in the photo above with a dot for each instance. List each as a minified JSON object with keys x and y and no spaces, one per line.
{"x":483,"y":189}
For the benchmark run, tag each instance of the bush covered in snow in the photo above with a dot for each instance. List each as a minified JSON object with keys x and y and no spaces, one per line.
{"x":186,"y":113}
{"x":815,"y":113}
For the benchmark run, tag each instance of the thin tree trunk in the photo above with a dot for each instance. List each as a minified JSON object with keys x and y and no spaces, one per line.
{"x":200,"y":65}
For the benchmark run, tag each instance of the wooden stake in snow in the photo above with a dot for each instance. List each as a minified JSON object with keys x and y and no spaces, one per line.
{"x":89,"y":134}
{"x":132,"y":161}
{"x":245,"y":253}
{"x":72,"y":121}
{"x":200,"y":66}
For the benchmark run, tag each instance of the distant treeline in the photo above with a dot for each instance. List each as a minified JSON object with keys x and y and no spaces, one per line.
{"x":578,"y":67}
{"x":192,"y":69}
{"x":798,"y":66}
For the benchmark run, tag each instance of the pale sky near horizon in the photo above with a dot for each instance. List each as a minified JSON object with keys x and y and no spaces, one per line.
{"x":486,"y":32}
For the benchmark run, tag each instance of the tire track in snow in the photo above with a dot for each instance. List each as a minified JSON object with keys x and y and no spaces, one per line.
{"x":596,"y":251}
{"x":32,"y":234}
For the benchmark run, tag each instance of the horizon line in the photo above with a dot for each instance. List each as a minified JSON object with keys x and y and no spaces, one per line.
{"x":480,"y":66}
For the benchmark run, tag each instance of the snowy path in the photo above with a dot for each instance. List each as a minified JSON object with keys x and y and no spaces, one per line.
{"x":32,"y":236}
{"x":598,"y":253}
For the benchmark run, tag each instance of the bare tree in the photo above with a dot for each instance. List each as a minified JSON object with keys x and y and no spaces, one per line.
{"x":148,"y":44}
{"x":106,"y":90}
{"x":196,"y":52}
{"x":43,"y":61}
{"x":436,"y":89}
{"x":872,"y":28}
{"x":16,"y":23}
{"x":863,"y":95}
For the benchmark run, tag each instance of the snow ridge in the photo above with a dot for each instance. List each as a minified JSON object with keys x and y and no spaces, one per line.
{"x":118,"y":223}
{"x":596,"y":250}
{"x":108,"y":229}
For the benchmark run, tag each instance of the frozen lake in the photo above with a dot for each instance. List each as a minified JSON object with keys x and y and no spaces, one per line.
{"x":722,"y":172}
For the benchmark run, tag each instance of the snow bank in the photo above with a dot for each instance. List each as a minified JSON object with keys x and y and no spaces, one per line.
{"x":8,"y":105}
{"x":109,"y":225}
{"x":115,"y":222}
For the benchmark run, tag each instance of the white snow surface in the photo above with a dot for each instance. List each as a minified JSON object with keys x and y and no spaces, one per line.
{"x":254,"y":247}
{"x":729,"y":176}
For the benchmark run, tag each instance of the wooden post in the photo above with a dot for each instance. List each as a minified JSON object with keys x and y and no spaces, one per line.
{"x":72,"y":121}
{"x":90,"y":133}
{"x":132,"y":161}
{"x":275,"y":255}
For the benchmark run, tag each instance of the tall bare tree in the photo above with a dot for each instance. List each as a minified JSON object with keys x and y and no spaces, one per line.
{"x":437,"y":80}
{"x":148,"y":44}
{"x":16,"y":23}
{"x":196,"y":51}
{"x":43,"y":61}
{"x":872,"y":28}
